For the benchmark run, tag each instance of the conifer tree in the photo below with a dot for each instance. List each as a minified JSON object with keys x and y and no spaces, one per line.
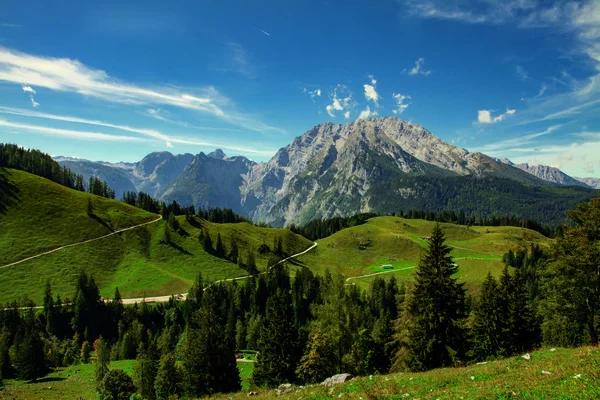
{"x":168,"y":379}
{"x":277,"y":344}
{"x":30,"y":362}
{"x":437,"y":310}
{"x":116,"y":385}
{"x":49,"y":308}
{"x":220,"y":250}
{"x":167,"y":234}
{"x":86,"y":350}
{"x":207,"y":243}
{"x":208,"y":360}
{"x":488,"y":321}
{"x":234,"y":252}
{"x":318,"y":361}
{"x":251,"y":264}
{"x":145,"y":372}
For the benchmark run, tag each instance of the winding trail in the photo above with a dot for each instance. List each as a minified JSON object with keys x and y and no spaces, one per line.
{"x":80,"y":243}
{"x":182,"y":296}
{"x":378,"y":273}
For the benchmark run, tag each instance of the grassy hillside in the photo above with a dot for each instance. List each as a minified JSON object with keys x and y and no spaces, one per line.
{"x":360,"y":250}
{"x":573,"y":374}
{"x":48,"y":215}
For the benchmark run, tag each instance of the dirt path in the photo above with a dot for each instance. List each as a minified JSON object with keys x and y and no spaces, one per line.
{"x":79,"y":243}
{"x":378,"y":273}
{"x":182,"y":296}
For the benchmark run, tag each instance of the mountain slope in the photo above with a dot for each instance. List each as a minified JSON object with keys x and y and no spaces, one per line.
{"x":47,"y":215}
{"x":549,"y":174}
{"x":592,"y":182}
{"x":210,"y":181}
{"x":116,"y":178}
{"x":155,"y":172}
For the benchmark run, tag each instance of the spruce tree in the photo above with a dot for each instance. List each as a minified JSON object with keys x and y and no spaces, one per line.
{"x":168,"y":379}
{"x":145,"y":372}
{"x":208,"y":360}
{"x":234,"y":252}
{"x":30,"y":361}
{"x":277,"y":344}
{"x":219,"y":250}
{"x":207,"y":243}
{"x":251,"y":264}
{"x":488,"y":321}
{"x":437,"y":310}
{"x":49,"y":308}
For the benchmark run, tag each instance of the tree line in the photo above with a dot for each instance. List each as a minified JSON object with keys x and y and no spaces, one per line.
{"x":41,"y":164}
{"x":319,"y":229}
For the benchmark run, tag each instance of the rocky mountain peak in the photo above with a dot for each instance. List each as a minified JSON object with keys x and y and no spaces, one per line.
{"x":218,"y":154}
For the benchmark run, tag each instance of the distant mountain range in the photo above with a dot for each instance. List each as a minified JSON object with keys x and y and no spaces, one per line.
{"x":380,"y":165}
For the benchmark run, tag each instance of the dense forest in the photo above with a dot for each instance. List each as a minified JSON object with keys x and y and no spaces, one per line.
{"x":306,"y":328}
{"x":41,"y":164}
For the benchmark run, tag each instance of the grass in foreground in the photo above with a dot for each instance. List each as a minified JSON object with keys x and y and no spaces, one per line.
{"x":573,"y":374}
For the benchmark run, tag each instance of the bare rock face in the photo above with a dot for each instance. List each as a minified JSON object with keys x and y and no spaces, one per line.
{"x":549,"y":174}
{"x":591,"y":182}
{"x":155,"y":172}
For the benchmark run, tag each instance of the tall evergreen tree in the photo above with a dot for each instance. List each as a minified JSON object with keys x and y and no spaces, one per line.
{"x":208,"y":360}
{"x":30,"y":361}
{"x":219,"y":250}
{"x":145,"y":372}
{"x":488,"y":325}
{"x":571,"y":304}
{"x":277,"y":344}
{"x":234,"y":252}
{"x":207,"y":243}
{"x":437,"y":310}
{"x":168,"y":379}
{"x":49,"y":308}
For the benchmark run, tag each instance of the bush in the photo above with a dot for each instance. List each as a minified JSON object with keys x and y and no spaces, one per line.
{"x":116,"y":385}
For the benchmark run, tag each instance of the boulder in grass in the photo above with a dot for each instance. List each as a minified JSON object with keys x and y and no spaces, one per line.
{"x":337,"y":379}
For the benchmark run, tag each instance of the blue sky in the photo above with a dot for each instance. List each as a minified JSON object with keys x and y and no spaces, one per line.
{"x":114,"y":80}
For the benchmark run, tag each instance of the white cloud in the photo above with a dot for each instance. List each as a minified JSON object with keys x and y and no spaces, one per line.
{"x":485,"y":116}
{"x":498,"y":148}
{"x":371,"y":94}
{"x":28,"y":89}
{"x":7,"y":25}
{"x":418,"y":70}
{"x":347,"y":115}
{"x":84,"y":135}
{"x":66,"y":75}
{"x":266,"y":33}
{"x":400,"y":104}
{"x":151,"y":133}
{"x":312,"y":93}
{"x":542,"y":90}
{"x":34,"y":103}
{"x":367,"y":113}
{"x":341,"y":103}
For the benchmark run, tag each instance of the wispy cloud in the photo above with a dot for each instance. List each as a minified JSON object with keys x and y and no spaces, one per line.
{"x":28,"y":89}
{"x":341,"y":100}
{"x":34,"y":103}
{"x":418,"y":68}
{"x":241,"y":60}
{"x":312,"y":93}
{"x":266,"y":33}
{"x":73,"y":134}
{"x":168,"y":140}
{"x":7,"y":25}
{"x":521,"y":73}
{"x":497,"y":148}
{"x":66,"y":75}
{"x":400,"y":104}
{"x":485,"y":116}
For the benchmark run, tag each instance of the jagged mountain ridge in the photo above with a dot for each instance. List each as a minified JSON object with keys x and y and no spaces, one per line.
{"x":331,"y":170}
{"x":591,"y":182}
{"x":549,"y":174}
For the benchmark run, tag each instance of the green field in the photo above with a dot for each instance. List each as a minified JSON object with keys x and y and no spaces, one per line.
{"x":49,"y":215}
{"x":573,"y":374}
{"x":78,"y":382}
{"x":361,"y":250}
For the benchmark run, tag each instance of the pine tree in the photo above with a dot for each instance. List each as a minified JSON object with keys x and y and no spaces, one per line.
{"x":30,"y":362}
{"x":220,"y":250}
{"x":49,"y":308}
{"x":437,"y":310}
{"x":208,"y":360}
{"x":251,"y":264}
{"x":207,"y":243}
{"x":168,"y":378}
{"x":102,"y":360}
{"x":318,"y":361}
{"x":145,"y":372}
{"x":86,"y":350}
{"x":5,"y":365}
{"x":488,"y":321}
{"x":234,"y":252}
{"x":277,"y":344}
{"x":89,"y":207}
{"x":167,"y":234}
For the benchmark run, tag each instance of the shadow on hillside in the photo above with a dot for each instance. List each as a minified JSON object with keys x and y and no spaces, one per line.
{"x":181,"y":249}
{"x":10,"y":195}
{"x":101,"y":221}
